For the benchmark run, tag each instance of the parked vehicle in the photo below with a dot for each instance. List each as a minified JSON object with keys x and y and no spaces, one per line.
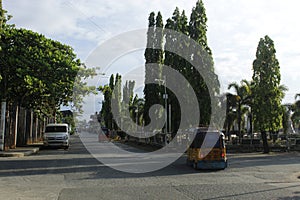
{"x":57,"y":135}
{"x":207,"y":150}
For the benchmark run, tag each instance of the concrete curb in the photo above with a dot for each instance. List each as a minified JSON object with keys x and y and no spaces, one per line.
{"x":20,"y":154}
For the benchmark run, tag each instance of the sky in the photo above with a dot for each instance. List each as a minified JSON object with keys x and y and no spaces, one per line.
{"x":234,"y":29}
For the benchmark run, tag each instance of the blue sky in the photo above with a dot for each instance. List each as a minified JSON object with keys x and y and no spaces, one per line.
{"x":234,"y":28}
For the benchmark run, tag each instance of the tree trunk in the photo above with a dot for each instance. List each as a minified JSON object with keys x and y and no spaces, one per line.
{"x":2,"y":125}
{"x":239,"y":123}
{"x":251,"y":125}
{"x":265,"y":142}
{"x":27,"y":126}
{"x":15,"y":127}
{"x":36,"y":125}
{"x":7,"y":128}
{"x":31,"y":128}
{"x":21,"y":127}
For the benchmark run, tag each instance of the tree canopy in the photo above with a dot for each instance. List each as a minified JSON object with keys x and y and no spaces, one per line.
{"x":267,"y":93}
{"x":195,"y":29}
{"x":37,"y":72}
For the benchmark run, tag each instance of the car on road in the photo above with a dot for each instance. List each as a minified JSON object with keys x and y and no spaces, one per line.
{"x":57,"y":135}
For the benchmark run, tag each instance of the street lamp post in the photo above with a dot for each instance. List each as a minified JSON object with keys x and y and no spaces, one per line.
{"x":136,"y":118}
{"x":165,"y":97}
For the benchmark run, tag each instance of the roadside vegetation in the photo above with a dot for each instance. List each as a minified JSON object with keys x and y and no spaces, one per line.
{"x":38,"y":76}
{"x":253,"y":106}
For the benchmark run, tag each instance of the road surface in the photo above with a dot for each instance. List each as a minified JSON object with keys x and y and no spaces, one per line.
{"x":75,"y":174}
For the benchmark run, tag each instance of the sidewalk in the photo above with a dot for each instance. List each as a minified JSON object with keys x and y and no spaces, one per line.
{"x":21,"y":151}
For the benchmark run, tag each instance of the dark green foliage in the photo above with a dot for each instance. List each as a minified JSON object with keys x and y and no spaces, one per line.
{"x":106,"y":112}
{"x":112,"y":103}
{"x":196,"y":30}
{"x":267,"y":93}
{"x":127,"y":103}
{"x":241,"y":98}
{"x":154,"y":59}
{"x":38,"y":73}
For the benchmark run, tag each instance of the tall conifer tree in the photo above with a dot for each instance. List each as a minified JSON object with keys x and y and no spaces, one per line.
{"x":149,"y":88}
{"x":154,"y":60}
{"x":197,"y":32}
{"x":267,"y":92}
{"x":196,"y":29}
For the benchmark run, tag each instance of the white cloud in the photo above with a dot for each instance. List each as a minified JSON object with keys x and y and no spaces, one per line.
{"x":51,"y":16}
{"x":234,"y":27}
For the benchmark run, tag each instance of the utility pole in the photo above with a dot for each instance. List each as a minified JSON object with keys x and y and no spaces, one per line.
{"x":3,"y":102}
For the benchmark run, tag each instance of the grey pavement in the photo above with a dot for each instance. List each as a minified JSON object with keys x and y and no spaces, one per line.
{"x":75,"y":174}
{"x":21,"y":151}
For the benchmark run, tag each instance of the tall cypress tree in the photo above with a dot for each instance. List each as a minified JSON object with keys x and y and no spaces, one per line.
{"x":154,"y":60}
{"x":267,"y":95}
{"x":203,"y":57}
{"x":149,"y":89}
{"x":178,"y":23}
{"x":106,"y":103}
{"x":170,"y":61}
{"x":112,"y":101}
{"x":196,"y":29}
{"x":158,"y":40}
{"x":116,"y":101}
{"x":197,"y":25}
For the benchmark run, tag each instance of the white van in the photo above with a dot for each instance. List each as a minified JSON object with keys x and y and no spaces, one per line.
{"x":57,"y":135}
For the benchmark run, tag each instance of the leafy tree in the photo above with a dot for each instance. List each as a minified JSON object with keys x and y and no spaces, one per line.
{"x":295,"y":108}
{"x":137,"y":109}
{"x":242,"y":97}
{"x":158,"y":41}
{"x":128,"y":96}
{"x":116,"y":100}
{"x":37,"y":73}
{"x":154,"y":59}
{"x":178,"y":23}
{"x":197,"y":32}
{"x":149,"y":89}
{"x":128,"y":92}
{"x":81,"y":88}
{"x":198,"y":27}
{"x":287,"y":116}
{"x":106,"y":112}
{"x":182,"y":66}
{"x":112,"y":102}
{"x":267,"y":95}
{"x":231,"y":102}
{"x":195,"y":29}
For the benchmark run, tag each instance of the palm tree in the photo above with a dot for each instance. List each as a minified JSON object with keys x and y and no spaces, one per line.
{"x":243,"y":97}
{"x":287,"y":109}
{"x":230,"y":113}
{"x":137,"y":109}
{"x":296,"y":111}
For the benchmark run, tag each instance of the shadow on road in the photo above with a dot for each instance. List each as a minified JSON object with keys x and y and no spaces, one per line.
{"x":78,"y":160}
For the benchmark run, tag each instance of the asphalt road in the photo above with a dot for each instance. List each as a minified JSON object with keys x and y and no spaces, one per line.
{"x":76,"y":174}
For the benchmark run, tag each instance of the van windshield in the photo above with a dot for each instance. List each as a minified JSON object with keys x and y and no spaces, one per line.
{"x":52,"y":129}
